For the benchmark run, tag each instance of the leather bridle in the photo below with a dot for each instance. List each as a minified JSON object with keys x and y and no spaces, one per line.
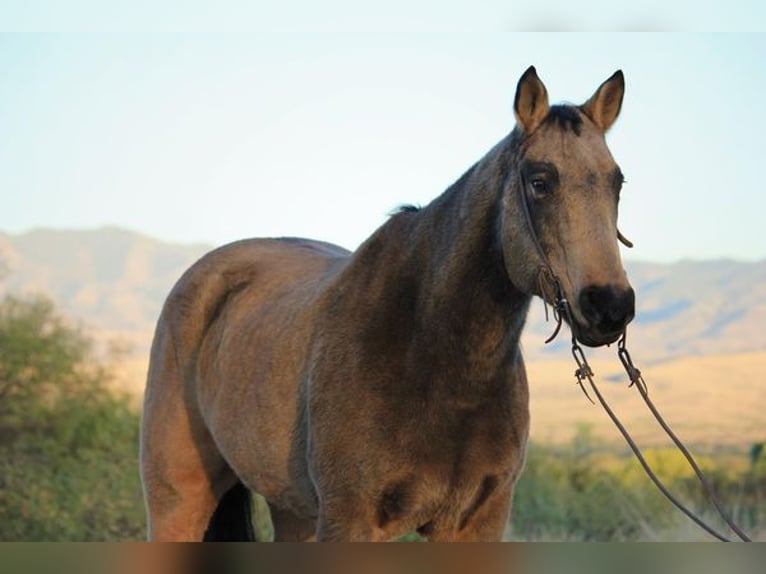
{"x":561,"y":310}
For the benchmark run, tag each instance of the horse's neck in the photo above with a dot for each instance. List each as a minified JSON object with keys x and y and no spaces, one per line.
{"x":470,"y":315}
{"x":469,"y":284}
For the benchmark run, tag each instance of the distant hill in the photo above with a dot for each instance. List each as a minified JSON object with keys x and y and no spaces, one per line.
{"x":690,"y":308}
{"x":112,"y":280}
{"x":115,"y":282}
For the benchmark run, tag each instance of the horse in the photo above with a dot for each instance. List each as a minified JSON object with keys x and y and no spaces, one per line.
{"x":371,"y":394}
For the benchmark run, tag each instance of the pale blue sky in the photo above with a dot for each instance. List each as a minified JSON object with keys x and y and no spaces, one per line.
{"x":211,"y":138}
{"x":391,"y":15}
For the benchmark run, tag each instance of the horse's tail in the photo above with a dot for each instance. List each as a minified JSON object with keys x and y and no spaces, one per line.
{"x":232,"y":520}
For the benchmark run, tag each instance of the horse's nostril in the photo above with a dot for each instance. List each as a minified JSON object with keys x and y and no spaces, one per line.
{"x":623,"y":307}
{"x":607,"y":308}
{"x":594,"y":302}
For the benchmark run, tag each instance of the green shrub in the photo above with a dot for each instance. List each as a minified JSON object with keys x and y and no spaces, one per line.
{"x":68,"y":444}
{"x":590,"y":490}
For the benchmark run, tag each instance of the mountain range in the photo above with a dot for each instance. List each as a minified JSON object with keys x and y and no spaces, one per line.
{"x":114,"y":282}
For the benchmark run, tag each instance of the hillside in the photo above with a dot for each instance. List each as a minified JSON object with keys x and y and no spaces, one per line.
{"x":691,"y":308}
{"x":115,"y":281}
{"x":112,"y":280}
{"x":698,"y":328}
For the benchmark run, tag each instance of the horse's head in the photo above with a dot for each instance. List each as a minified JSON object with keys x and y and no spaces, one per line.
{"x":570,"y":183}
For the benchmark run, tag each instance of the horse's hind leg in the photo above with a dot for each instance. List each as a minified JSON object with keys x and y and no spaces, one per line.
{"x":183,"y":474}
{"x":288,"y":527}
{"x":184,"y":478}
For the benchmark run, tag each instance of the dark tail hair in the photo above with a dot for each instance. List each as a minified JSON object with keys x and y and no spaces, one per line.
{"x":232,"y":521}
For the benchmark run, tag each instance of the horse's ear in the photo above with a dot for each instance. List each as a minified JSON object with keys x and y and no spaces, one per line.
{"x":531,"y":102}
{"x":603,"y":107}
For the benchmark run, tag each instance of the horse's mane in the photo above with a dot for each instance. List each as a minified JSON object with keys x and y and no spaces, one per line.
{"x":406,"y":208}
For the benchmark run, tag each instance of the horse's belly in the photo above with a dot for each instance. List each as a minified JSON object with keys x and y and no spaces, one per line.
{"x":250,"y":389}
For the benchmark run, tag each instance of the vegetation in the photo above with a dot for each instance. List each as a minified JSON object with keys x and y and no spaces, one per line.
{"x":590,"y":490}
{"x":68,"y":458}
{"x":67,"y":443}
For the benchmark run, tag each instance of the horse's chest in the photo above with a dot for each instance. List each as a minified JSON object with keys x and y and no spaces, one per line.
{"x":454,"y":469}
{"x":411,"y":460}
{"x":461,"y":440}
{"x":442,"y":499}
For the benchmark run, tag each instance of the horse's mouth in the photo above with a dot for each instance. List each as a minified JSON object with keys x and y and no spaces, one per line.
{"x":596,"y":326}
{"x":597,"y":339}
{"x":592,"y":336}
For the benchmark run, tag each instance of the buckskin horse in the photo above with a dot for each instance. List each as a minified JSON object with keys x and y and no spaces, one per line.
{"x":369,"y":394}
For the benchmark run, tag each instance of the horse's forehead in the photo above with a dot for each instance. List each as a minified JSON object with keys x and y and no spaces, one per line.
{"x":571,"y":151}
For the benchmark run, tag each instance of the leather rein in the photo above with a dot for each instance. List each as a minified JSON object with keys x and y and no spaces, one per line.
{"x":584,"y":373}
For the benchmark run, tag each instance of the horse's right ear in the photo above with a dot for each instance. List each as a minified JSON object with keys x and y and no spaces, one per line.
{"x":531,"y":102}
{"x":603,"y":107}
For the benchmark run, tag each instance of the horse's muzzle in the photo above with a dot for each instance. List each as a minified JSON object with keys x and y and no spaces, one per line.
{"x":607,"y":310}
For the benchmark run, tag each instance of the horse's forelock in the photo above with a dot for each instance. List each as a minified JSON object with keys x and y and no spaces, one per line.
{"x":566,"y":117}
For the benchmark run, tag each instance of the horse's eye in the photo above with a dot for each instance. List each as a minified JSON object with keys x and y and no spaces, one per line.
{"x":539,"y":187}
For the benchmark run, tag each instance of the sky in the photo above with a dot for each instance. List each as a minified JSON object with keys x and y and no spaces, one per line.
{"x":209,"y":137}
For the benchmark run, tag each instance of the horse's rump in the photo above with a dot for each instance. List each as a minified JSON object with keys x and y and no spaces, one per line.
{"x":243,"y":308}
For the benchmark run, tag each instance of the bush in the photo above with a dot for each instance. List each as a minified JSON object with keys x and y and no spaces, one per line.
{"x":593,"y":491}
{"x":68,"y":444}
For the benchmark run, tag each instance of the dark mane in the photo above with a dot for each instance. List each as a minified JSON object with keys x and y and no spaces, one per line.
{"x":566,"y":117}
{"x":406,"y":208}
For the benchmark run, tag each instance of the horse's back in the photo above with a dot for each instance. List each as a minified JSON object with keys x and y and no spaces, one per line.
{"x":256,"y":268}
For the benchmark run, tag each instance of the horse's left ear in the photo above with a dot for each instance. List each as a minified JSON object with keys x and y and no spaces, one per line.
{"x":531,"y":102}
{"x":603,"y":107}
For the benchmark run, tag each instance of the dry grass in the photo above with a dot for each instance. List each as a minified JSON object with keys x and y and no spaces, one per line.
{"x":716,"y":400}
